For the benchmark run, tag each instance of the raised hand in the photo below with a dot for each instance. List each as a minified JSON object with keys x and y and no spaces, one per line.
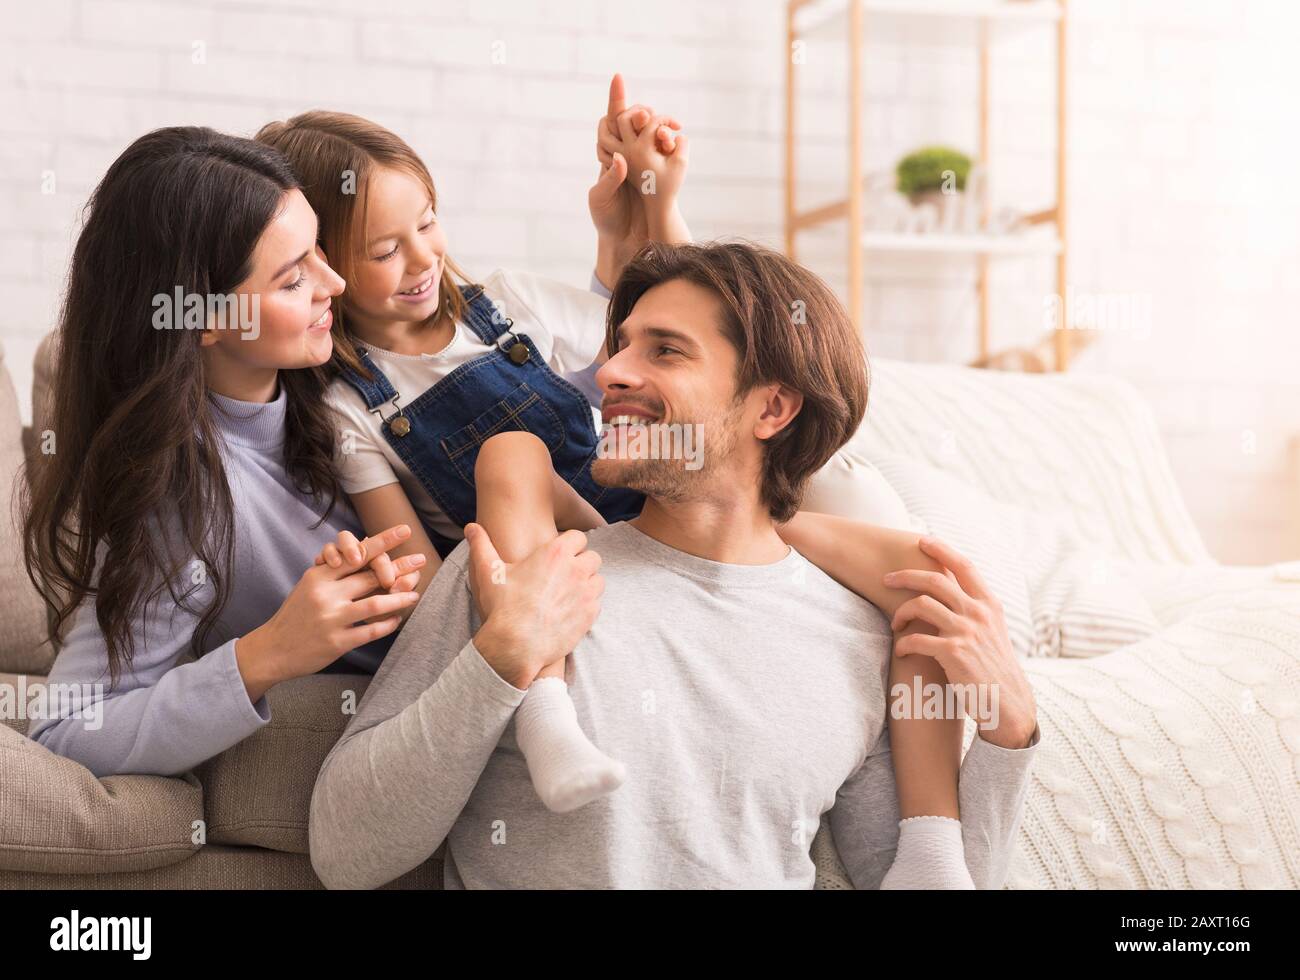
{"x":634,"y":140}
{"x":655,"y":173}
{"x":640,"y":115}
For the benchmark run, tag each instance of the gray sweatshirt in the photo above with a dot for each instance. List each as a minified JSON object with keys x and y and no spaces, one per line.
{"x":747,"y":702}
{"x":168,"y":712}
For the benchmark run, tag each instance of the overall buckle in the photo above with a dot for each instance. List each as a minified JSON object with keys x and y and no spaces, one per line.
{"x":397,"y":423}
{"x":517,"y":351}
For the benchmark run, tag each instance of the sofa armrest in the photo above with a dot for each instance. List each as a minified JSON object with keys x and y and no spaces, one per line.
{"x":1168,"y":763}
{"x":23,"y":623}
{"x":258,"y":792}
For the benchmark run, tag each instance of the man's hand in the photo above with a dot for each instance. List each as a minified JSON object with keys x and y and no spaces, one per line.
{"x":616,"y":209}
{"x":972,"y":645}
{"x":534,"y":611}
{"x":665,"y":138}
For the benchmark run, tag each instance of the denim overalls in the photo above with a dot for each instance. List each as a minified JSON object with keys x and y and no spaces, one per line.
{"x":511,"y":388}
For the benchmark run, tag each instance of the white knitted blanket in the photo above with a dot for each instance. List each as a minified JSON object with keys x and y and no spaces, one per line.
{"x":1169,"y":762}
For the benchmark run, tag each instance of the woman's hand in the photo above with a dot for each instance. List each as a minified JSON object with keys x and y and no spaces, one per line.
{"x":330,"y":611}
{"x":972,"y":645}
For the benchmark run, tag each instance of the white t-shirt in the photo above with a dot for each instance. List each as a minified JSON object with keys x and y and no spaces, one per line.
{"x":566,"y":325}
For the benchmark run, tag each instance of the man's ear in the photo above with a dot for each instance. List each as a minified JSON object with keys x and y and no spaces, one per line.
{"x":780,"y":406}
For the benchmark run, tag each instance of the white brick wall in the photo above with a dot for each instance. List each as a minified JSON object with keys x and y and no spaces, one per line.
{"x":1182,"y":142}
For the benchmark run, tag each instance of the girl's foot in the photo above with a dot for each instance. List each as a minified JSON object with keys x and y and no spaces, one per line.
{"x":566,"y":769}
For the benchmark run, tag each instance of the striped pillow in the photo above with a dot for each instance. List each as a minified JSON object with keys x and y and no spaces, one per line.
{"x":1084,"y":602}
{"x":1060,"y":598}
{"x":988,"y":533}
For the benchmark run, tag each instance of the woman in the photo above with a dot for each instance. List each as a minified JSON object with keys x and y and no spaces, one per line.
{"x":191,"y":484}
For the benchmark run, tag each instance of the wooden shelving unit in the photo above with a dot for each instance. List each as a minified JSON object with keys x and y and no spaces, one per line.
{"x":830,"y":19}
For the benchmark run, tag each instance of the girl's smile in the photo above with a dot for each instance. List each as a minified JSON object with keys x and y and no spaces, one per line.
{"x":424,"y":289}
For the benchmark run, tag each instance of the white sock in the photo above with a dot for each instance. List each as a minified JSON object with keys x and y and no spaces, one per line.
{"x":930,"y":856}
{"x":566,"y":769}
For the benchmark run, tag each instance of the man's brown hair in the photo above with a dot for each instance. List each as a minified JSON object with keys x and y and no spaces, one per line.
{"x":787,"y":327}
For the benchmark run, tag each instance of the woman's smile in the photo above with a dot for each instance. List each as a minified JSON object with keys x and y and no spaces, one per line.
{"x":325,"y":321}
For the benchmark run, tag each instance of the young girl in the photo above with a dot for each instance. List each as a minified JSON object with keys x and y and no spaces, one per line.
{"x":431,"y":370}
{"x":453,"y":410}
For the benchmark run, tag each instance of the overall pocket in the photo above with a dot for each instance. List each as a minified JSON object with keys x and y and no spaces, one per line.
{"x":523,"y":410}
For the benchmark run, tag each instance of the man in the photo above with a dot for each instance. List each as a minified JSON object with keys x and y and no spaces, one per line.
{"x":743,"y":689}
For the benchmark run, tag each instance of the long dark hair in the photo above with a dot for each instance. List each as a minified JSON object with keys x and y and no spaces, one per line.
{"x":135,"y":490}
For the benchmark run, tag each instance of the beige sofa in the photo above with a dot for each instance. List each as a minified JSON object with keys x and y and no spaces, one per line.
{"x":1172,"y":760}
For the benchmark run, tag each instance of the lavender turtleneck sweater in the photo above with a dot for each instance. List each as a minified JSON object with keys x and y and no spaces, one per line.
{"x":169,"y":712}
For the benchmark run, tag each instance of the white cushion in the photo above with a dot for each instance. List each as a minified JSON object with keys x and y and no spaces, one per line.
{"x":23,"y":646}
{"x":989,"y":534}
{"x":1060,"y":597}
{"x":850,"y":486}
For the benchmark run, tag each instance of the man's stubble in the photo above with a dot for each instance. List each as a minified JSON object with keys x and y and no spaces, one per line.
{"x":668,"y":479}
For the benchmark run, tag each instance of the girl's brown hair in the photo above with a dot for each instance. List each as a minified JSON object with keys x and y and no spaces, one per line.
{"x":786,"y":326}
{"x":334,"y":155}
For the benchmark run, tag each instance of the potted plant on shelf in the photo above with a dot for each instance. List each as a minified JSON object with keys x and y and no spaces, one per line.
{"x":933,"y":175}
